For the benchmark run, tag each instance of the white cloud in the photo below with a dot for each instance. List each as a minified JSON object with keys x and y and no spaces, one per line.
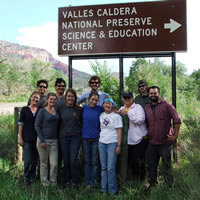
{"x":45,"y":36}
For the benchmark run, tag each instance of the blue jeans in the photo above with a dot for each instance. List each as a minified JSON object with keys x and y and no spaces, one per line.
{"x":108,"y":159}
{"x":70,"y":149}
{"x":30,"y":154}
{"x":90,"y":155}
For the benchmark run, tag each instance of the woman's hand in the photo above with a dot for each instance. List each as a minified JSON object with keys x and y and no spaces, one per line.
{"x":43,"y":145}
{"x":123,"y":112}
{"x":118,"y":150}
{"x":20,"y":140}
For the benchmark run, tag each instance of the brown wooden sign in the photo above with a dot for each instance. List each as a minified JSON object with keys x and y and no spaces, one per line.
{"x":123,"y":28}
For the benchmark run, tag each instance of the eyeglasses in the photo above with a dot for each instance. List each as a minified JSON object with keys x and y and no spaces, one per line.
{"x":93,"y":82}
{"x":141,"y":86}
{"x":63,"y":86}
{"x":127,"y":97}
{"x":42,"y":86}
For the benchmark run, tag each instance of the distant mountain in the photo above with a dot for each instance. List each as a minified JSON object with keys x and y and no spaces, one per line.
{"x":12,"y":51}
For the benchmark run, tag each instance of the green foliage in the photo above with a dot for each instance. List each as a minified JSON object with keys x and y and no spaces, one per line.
{"x":195,"y":83}
{"x":18,"y":79}
{"x":7,"y":139}
{"x":109,"y":84}
{"x":10,"y":77}
{"x":156,"y":73}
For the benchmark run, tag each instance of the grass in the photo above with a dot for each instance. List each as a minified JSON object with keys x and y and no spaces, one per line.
{"x":186,"y":175}
{"x":13,"y":98}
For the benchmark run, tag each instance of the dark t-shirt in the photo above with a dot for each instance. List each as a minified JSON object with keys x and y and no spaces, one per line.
{"x":70,"y":121}
{"x":142,"y":100}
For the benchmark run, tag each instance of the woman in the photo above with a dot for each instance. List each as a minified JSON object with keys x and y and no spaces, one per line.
{"x":90,"y":137}
{"x":70,"y":136}
{"x":109,"y":146}
{"x":137,"y":144}
{"x":46,"y":125}
{"x":27,"y":137}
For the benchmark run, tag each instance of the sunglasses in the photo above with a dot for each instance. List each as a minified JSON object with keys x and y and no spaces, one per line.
{"x":141,"y":86}
{"x":127,"y":97}
{"x":63,"y":86}
{"x":42,"y":86}
{"x":93,"y":82}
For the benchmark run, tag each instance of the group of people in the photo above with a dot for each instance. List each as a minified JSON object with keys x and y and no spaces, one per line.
{"x":55,"y":126}
{"x":153,"y":127}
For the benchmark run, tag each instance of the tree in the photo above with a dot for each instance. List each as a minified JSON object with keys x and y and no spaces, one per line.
{"x":195,"y":85}
{"x":109,"y":84}
{"x":10,"y":77}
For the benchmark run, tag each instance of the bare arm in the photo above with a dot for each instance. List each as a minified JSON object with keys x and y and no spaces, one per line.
{"x":119,"y":140}
{"x":20,"y":140}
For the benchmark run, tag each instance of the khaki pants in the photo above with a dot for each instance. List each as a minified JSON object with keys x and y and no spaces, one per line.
{"x":48,"y":154}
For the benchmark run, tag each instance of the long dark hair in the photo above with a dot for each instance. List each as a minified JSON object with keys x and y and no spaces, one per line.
{"x":75,"y":106}
{"x":71,"y":90}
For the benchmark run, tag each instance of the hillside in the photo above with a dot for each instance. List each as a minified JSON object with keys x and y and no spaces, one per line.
{"x":12,"y":51}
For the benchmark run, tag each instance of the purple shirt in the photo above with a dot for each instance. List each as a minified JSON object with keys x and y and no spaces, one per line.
{"x":159,"y":121}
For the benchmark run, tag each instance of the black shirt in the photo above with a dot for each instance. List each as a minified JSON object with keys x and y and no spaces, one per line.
{"x":27,"y":120}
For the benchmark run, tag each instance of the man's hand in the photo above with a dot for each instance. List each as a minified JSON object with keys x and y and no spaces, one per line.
{"x":171,"y":138}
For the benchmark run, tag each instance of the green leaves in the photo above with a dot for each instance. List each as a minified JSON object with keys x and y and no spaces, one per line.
{"x":109,"y":83}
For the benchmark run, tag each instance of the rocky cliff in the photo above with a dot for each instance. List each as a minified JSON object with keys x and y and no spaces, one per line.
{"x":12,"y":51}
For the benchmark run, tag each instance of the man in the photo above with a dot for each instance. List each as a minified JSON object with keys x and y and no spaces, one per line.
{"x":60,"y":86}
{"x":159,"y":115}
{"x":94,"y":84}
{"x":42,"y":86}
{"x":137,"y":131}
{"x":143,"y":98}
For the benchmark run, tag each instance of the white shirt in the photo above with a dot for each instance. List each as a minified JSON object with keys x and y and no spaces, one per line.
{"x":108,"y":125}
{"x":137,"y":126}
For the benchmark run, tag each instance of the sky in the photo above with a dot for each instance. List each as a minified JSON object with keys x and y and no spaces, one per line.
{"x":34,"y":23}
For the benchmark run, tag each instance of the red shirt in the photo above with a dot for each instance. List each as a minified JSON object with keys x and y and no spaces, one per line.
{"x":159,"y":121}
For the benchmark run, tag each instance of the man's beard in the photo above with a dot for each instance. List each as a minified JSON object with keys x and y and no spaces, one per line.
{"x":154,"y":99}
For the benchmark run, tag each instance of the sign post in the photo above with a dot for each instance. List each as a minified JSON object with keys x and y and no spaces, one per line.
{"x":123,"y":28}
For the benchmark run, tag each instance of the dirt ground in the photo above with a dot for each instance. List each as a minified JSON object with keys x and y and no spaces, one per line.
{"x":8,"y":108}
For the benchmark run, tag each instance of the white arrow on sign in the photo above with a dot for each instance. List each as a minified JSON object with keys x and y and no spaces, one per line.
{"x":173,"y":25}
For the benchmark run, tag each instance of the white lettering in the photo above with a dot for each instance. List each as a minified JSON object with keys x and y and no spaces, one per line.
{"x":77,"y":46}
{"x":79,"y":35}
{"x":116,"y":11}
{"x":82,"y":24}
{"x":145,"y":21}
{"x":78,"y":13}
{"x":132,"y":33}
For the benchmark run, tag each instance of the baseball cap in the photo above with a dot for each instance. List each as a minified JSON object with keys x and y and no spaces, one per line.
{"x":128,"y":94}
{"x":108,"y":100}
